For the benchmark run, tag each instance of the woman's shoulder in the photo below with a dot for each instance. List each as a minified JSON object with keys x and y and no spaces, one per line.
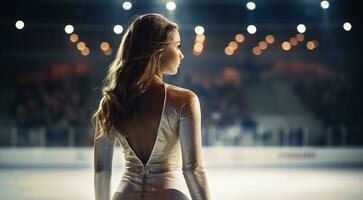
{"x":180,"y":94}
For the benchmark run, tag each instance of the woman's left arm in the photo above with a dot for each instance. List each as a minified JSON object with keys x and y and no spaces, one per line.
{"x":103,"y":154}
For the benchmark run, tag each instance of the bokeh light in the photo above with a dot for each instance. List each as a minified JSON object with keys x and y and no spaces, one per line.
{"x":310,"y":45}
{"x":239,"y":38}
{"x":81,"y":46}
{"x":126,"y":5}
{"x":200,"y":38}
{"x":300,"y":37}
{"x":19,"y":24}
{"x":301,"y":28}
{"x":199,"y":30}
{"x":228,"y":51}
{"x":198,"y":47}
{"x":293,"y":41}
{"x":256,"y":50}
{"x":270,"y":39}
{"x":118,"y":29}
{"x":104,"y":46}
{"x":73,"y":38}
{"x":170,"y":5}
{"x":85,"y":51}
{"x":69,"y":29}
{"x":262,"y":45}
{"x":286,"y":46}
{"x":251,"y":29}
{"x":251,"y":5}
{"x":233,"y":45}
{"x":324,"y":4}
{"x":347,"y":26}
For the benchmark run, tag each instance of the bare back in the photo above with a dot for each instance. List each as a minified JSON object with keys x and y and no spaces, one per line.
{"x":143,"y":128}
{"x":165,"y":149}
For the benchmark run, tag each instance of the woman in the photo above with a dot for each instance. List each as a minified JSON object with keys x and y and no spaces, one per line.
{"x":157,"y":124}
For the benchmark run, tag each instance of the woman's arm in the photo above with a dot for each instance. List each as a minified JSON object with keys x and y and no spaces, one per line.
{"x":103,"y":154}
{"x":191,"y":145}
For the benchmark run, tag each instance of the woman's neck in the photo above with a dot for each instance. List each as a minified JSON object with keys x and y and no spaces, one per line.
{"x":158,"y":78}
{"x":156,"y":83}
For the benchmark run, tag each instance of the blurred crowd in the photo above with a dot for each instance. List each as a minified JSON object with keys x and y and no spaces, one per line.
{"x":332,"y":98}
{"x":57,"y":103}
{"x":64,"y":101}
{"x":222,"y":100}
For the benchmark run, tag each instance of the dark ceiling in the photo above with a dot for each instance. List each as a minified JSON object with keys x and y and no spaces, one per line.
{"x":44,"y":41}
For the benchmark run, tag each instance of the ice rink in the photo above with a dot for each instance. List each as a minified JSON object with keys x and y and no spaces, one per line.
{"x":228,"y":183}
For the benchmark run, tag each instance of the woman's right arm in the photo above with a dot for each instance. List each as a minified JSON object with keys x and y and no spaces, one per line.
{"x":191,"y":145}
{"x":103,"y":154}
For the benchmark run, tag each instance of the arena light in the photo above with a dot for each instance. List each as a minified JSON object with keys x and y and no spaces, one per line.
{"x":233,"y":45}
{"x":251,"y":29}
{"x":198,"y":47}
{"x":85,"y":51}
{"x":81,"y":45}
{"x":239,"y":38}
{"x":324,"y":4}
{"x":199,"y":30}
{"x":73,"y":38}
{"x":199,"y":38}
{"x":300,"y":37}
{"x":126,"y":5}
{"x":104,"y":46}
{"x":270,"y":39}
{"x":262,"y":45}
{"x":286,"y":46}
{"x":301,"y":28}
{"x":228,"y":51}
{"x":69,"y":29}
{"x":347,"y":26}
{"x":293,"y":41}
{"x":118,"y":29}
{"x":310,"y":45}
{"x":19,"y":24}
{"x":251,"y":5}
{"x":170,"y":5}
{"x":257,"y":51}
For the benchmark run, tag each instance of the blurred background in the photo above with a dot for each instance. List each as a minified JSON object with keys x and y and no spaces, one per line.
{"x":279,"y":83}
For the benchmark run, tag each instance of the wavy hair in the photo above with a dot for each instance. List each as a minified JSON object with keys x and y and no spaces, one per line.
{"x":131,"y":72}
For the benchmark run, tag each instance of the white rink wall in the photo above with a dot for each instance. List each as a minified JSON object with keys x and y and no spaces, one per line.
{"x":213,"y":157}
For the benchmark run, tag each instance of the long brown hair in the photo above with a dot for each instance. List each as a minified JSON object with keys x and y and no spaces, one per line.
{"x":132,"y":71}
